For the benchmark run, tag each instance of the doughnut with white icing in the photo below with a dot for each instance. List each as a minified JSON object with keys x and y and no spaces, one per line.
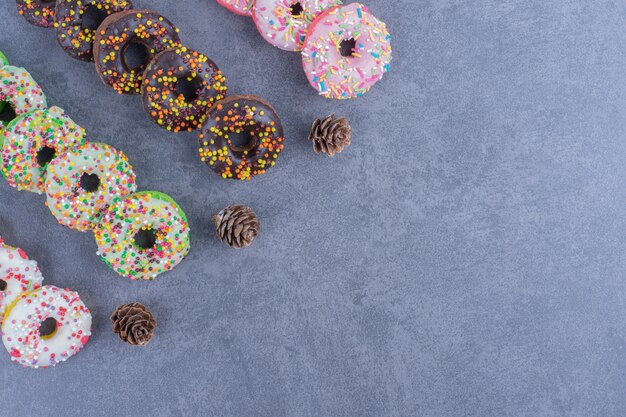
{"x":83,"y":182}
{"x":17,"y":275}
{"x":143,"y":235}
{"x":21,"y":327}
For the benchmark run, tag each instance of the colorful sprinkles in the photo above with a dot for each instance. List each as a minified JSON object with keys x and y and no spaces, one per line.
{"x":343,"y":77}
{"x":37,"y":12}
{"x":146,"y":28}
{"x":88,"y":186}
{"x":83,"y":182}
{"x":19,"y":274}
{"x":248,"y":116}
{"x":75,"y":37}
{"x":242,"y":7}
{"x":147,"y":212}
{"x":20,"y":328}
{"x":28,"y":138}
{"x":19,"y":90}
{"x":284,"y":23}
{"x":172,"y":69}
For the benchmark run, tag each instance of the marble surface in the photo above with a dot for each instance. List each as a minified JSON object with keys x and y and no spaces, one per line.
{"x":466,"y":256}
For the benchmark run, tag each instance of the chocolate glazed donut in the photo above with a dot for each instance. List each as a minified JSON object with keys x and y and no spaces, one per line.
{"x":179,"y":88}
{"x":37,"y":12}
{"x":241,"y":137}
{"x":76,"y":22}
{"x":126,"y":42}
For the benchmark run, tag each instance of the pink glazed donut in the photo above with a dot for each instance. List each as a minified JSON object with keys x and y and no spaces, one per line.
{"x":284,"y":23}
{"x":346,"y":51}
{"x":242,"y":7}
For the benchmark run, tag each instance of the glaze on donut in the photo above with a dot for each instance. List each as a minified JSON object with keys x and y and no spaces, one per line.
{"x":347,"y":50}
{"x":82,"y":183}
{"x":284,"y":23}
{"x":20,"y":91}
{"x":17,"y":275}
{"x":241,"y":7}
{"x":37,"y":12}
{"x":77,"y":20}
{"x":143,"y":235}
{"x":21,"y":328}
{"x":144,"y":31}
{"x":179,"y":87}
{"x":244,"y":117}
{"x":3,"y":61}
{"x":33,"y":140}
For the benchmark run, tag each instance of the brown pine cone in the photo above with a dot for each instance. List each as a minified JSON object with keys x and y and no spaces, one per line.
{"x":134,"y":323}
{"x":237,"y":225}
{"x":330,"y":134}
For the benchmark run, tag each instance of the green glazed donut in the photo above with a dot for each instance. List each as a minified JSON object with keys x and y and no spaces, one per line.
{"x":143,"y":235}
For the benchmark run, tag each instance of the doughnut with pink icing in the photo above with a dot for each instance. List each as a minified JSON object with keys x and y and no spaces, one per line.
{"x":242,"y":7}
{"x":346,"y":51}
{"x":284,"y":23}
{"x":17,"y":275}
{"x":22,"y":327}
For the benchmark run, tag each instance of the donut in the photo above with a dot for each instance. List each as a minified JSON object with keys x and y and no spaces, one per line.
{"x":241,"y":137}
{"x":126,"y":42}
{"x":346,"y":51}
{"x":37,"y":12}
{"x":57,"y":313}
{"x":83,"y":182}
{"x":179,"y":87}
{"x":17,"y":275}
{"x":143,"y":235}
{"x":20,"y":91}
{"x":77,"y":21}
{"x":33,"y":140}
{"x":284,"y":23}
{"x":3,"y":61}
{"x":242,"y":7}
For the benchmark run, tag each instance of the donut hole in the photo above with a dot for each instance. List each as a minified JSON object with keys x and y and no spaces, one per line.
{"x":135,"y":56}
{"x":48,"y":328}
{"x":47,"y":2}
{"x":145,"y":239}
{"x":8,"y":112}
{"x":45,"y":155}
{"x":347,"y":47}
{"x":89,"y":182}
{"x":241,"y":141}
{"x":93,"y":16}
{"x":3,"y":285}
{"x":188,"y":87}
{"x":296,"y":9}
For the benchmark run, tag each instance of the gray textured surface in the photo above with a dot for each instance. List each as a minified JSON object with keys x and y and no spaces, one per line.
{"x":464,"y":257}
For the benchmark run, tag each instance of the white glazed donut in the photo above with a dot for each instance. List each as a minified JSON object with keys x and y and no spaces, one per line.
{"x":82,"y":183}
{"x":20,"y":90}
{"x":143,"y":235}
{"x":20,"y":329}
{"x":284,"y":23}
{"x":17,"y":273}
{"x":32,"y":141}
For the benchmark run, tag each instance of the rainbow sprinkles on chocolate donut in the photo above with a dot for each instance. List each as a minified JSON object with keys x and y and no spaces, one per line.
{"x":241,"y":137}
{"x":126,"y":42}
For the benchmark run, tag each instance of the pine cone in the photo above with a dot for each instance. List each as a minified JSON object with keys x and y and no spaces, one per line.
{"x":134,"y":323}
{"x":330,"y":134}
{"x":237,"y":225}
